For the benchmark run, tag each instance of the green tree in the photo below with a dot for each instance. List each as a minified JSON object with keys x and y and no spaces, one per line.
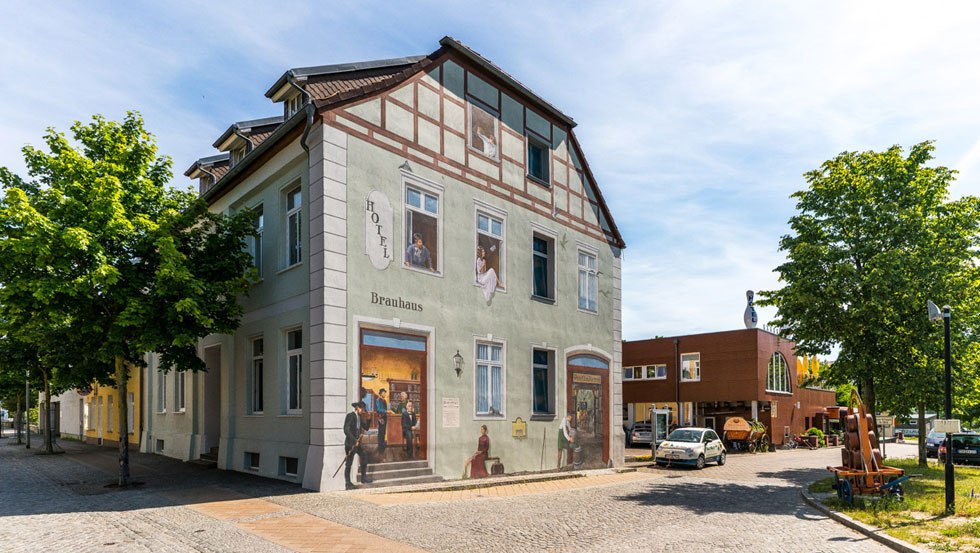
{"x":103,"y":254}
{"x":875,"y":236}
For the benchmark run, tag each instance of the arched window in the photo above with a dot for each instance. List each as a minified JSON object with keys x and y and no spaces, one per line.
{"x":777,"y":377}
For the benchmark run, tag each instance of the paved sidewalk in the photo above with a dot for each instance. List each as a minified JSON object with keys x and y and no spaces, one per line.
{"x":60,"y":502}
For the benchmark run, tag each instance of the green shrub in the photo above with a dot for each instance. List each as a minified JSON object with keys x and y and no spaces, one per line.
{"x":819,"y":434}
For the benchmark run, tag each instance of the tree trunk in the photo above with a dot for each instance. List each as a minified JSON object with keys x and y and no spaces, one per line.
{"x":48,"y":438}
{"x":869,"y":401}
{"x":122,"y":379}
{"x":921,"y":424}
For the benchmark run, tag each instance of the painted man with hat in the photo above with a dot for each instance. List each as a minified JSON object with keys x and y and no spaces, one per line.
{"x":353,"y":430}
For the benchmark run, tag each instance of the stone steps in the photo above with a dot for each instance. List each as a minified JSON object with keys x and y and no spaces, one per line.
{"x":400,"y":473}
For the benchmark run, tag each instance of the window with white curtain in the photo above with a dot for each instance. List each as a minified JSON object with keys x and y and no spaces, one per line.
{"x":489,"y":379}
{"x":588,"y":281}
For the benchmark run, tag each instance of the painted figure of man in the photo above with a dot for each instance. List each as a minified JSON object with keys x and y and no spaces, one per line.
{"x":417,"y":255}
{"x":381,"y":408}
{"x":353,"y":431}
{"x":409,"y":422}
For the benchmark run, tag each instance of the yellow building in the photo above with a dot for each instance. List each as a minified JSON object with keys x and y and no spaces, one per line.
{"x":100,"y":417}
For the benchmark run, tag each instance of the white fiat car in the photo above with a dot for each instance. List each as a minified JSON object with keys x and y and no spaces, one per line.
{"x":691,"y":446}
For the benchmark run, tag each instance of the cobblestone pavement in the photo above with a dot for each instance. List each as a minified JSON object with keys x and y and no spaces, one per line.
{"x":752,"y":503}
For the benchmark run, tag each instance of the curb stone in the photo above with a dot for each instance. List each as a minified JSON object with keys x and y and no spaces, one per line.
{"x":872,"y":532}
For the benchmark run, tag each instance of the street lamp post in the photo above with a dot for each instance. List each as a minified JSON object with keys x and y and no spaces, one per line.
{"x":27,"y":405}
{"x":935,"y":315}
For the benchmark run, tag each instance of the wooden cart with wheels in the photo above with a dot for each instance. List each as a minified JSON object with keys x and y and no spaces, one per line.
{"x":862,"y":471}
{"x":745,"y":435}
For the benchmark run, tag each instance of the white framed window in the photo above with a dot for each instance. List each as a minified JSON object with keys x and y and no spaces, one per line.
{"x":109,"y":402}
{"x":179,"y":391}
{"x":130,"y":411}
{"x":489,"y":376}
{"x":255,"y":242}
{"x":293,"y":105}
{"x":257,"y":377}
{"x":423,"y":226}
{"x":656,"y":372}
{"x":543,"y":382}
{"x":294,"y":227}
{"x":294,"y":372}
{"x":588,"y":281}
{"x":237,"y":155}
{"x":542,"y":266}
{"x":490,"y":250}
{"x":777,"y":375}
{"x":538,"y":160}
{"x":690,"y":367}
{"x":161,"y":392}
{"x":629,"y":373}
{"x":483,"y":129}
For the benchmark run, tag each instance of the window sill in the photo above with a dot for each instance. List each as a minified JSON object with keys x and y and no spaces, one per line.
{"x":297,"y":415}
{"x":683,"y":380}
{"x":485,"y":416}
{"x":588,"y":311}
{"x":542,"y":299}
{"x":290,"y":268}
{"x":498,"y":290}
{"x":543,"y":417}
{"x":492,"y":159}
{"x":255,"y":415}
{"x":180,"y":412}
{"x":538,"y":181}
{"x":779,"y":393}
{"x":421,"y":270}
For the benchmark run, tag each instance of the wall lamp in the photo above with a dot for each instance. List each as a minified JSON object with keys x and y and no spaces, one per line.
{"x":458,"y":364}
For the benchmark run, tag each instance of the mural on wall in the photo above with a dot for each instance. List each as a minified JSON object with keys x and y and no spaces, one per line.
{"x":483,"y":131}
{"x":586,"y":442}
{"x":378,"y":230}
{"x":422,"y":229}
{"x":489,"y":253}
{"x":392,"y":377}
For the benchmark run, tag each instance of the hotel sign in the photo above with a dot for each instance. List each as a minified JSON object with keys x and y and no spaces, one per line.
{"x":378,"y":236}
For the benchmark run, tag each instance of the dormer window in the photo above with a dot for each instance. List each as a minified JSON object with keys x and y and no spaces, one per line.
{"x":237,"y":155}
{"x":293,"y":105}
{"x":207,"y":181}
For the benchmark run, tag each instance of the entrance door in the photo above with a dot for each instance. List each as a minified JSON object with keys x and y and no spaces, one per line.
{"x":709,"y":422}
{"x":588,"y":378}
{"x":212,"y":399}
{"x":661,"y":425}
{"x":396,"y":363}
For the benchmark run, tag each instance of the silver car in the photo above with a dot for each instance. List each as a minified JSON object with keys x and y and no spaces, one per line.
{"x":691,"y":446}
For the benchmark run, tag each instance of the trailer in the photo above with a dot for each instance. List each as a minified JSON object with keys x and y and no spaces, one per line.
{"x":862,"y":471}
{"x":745,"y":435}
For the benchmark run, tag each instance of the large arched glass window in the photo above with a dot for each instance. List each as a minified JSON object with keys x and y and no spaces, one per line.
{"x":777,"y":377}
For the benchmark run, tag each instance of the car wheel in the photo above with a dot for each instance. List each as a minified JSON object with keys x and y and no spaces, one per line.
{"x":722,"y":458}
{"x":700,"y":462}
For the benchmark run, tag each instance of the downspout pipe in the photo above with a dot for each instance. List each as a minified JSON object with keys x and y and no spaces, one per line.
{"x":677,"y":380}
{"x":308,"y":108}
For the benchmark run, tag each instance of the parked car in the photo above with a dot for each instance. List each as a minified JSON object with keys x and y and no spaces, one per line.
{"x":965,"y":450}
{"x":691,"y":446}
{"x":933,"y":441}
{"x":639,"y":433}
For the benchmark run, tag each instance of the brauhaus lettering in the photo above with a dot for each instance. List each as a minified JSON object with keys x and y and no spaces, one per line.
{"x":395,"y":302}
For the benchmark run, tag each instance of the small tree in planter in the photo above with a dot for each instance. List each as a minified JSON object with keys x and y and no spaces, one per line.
{"x":821,"y":441}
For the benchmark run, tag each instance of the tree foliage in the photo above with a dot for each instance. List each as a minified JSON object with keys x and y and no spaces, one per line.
{"x":101,"y":261}
{"x":875,"y":236}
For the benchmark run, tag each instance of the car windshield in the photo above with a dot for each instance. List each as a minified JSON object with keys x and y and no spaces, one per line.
{"x":934,"y":434}
{"x":685,"y":435}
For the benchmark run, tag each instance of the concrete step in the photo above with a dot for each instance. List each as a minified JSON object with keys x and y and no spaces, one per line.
{"x":202,"y":462}
{"x":400,"y":465}
{"x":403,"y":481}
{"x":399,"y":473}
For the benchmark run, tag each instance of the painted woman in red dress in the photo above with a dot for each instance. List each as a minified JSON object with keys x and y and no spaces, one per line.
{"x":477,"y":463}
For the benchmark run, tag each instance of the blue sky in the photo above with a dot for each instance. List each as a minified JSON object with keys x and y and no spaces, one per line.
{"x":698,"y":118}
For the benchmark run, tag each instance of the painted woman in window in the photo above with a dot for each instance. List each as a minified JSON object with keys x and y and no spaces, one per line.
{"x":417,"y":255}
{"x":486,"y":277}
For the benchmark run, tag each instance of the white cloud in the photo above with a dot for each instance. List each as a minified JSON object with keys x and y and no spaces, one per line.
{"x":698,"y":118}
